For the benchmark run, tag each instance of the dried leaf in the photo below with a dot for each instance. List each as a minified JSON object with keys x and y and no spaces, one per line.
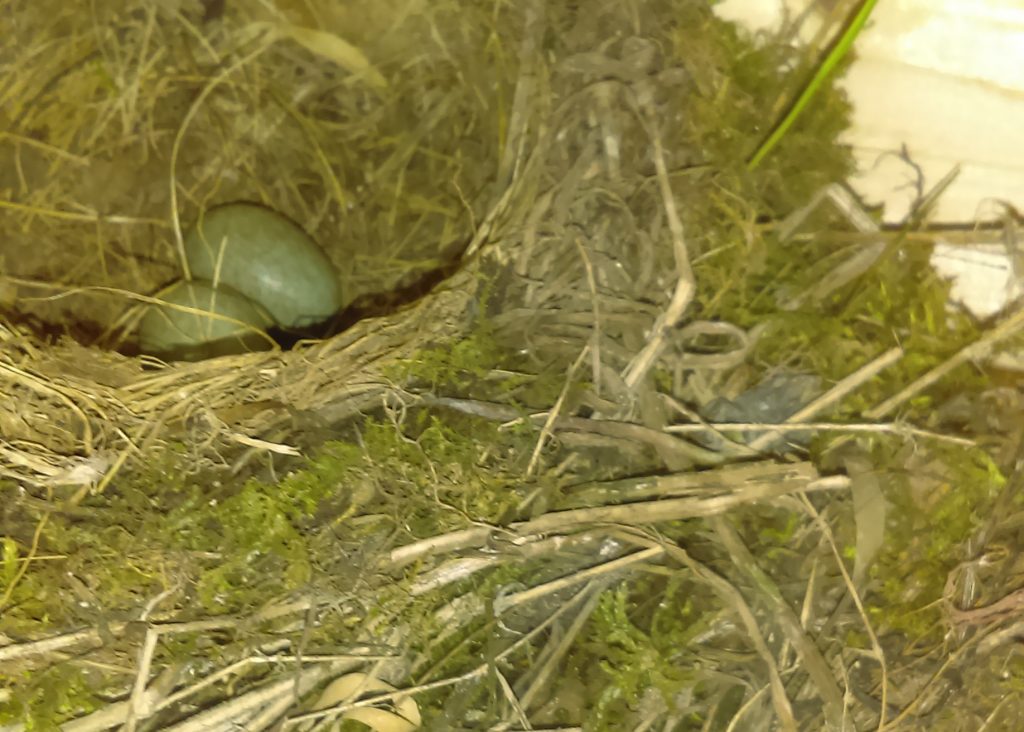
{"x":351,"y":686}
{"x":869,"y":510}
{"x":380,"y":720}
{"x":336,"y":49}
{"x":10,"y":560}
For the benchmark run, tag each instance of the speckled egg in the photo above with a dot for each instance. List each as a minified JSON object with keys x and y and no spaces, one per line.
{"x":185,"y":335}
{"x":269,"y":259}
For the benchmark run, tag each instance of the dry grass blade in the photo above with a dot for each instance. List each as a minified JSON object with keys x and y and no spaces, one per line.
{"x":780,"y":701}
{"x":813,"y":660}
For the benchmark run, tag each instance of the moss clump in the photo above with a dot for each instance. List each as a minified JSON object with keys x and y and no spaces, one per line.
{"x":48,"y":697}
{"x":935,"y":508}
{"x":481,"y":365}
{"x":232,"y":549}
{"x":896,"y":303}
{"x":739,"y":95}
{"x":641,"y":642}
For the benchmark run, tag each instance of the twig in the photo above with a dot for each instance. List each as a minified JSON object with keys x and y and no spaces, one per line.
{"x":975,"y":351}
{"x":747,"y":706}
{"x":443,"y":544}
{"x":477,"y":672}
{"x":517,"y":549}
{"x":814,"y":662}
{"x":502,"y":604}
{"x":717,"y":481}
{"x":237,"y":710}
{"x":595,"y":336}
{"x":725,"y":590}
{"x":685,"y":284}
{"x":669,"y":509}
{"x":553,"y":413}
{"x":836,"y":393}
{"x":58,"y":643}
{"x":711,"y":490}
{"x":851,"y":268}
{"x":20,"y":573}
{"x":542,"y":678}
{"x":136,"y":709}
{"x":876,"y":647}
{"x":685,"y":452}
{"x":92,"y":218}
{"x":783,"y":427}
{"x":510,"y":696}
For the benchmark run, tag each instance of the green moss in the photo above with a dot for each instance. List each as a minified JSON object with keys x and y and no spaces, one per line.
{"x":455,"y":366}
{"x":49,"y":697}
{"x":480,"y":365}
{"x":640,"y":637}
{"x":896,"y":303}
{"x":924,"y":538}
{"x":738,"y":95}
{"x":236,"y":547}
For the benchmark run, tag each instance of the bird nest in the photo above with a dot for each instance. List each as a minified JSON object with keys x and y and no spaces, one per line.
{"x":494,"y":492}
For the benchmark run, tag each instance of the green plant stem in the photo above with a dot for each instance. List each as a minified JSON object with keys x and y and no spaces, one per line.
{"x":826,"y":67}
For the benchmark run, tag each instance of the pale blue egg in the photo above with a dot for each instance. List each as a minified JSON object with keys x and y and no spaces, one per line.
{"x":218,"y":321}
{"x":269,"y":259}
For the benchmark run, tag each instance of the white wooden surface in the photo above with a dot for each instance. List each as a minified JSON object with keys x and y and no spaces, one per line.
{"x":943,"y":77}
